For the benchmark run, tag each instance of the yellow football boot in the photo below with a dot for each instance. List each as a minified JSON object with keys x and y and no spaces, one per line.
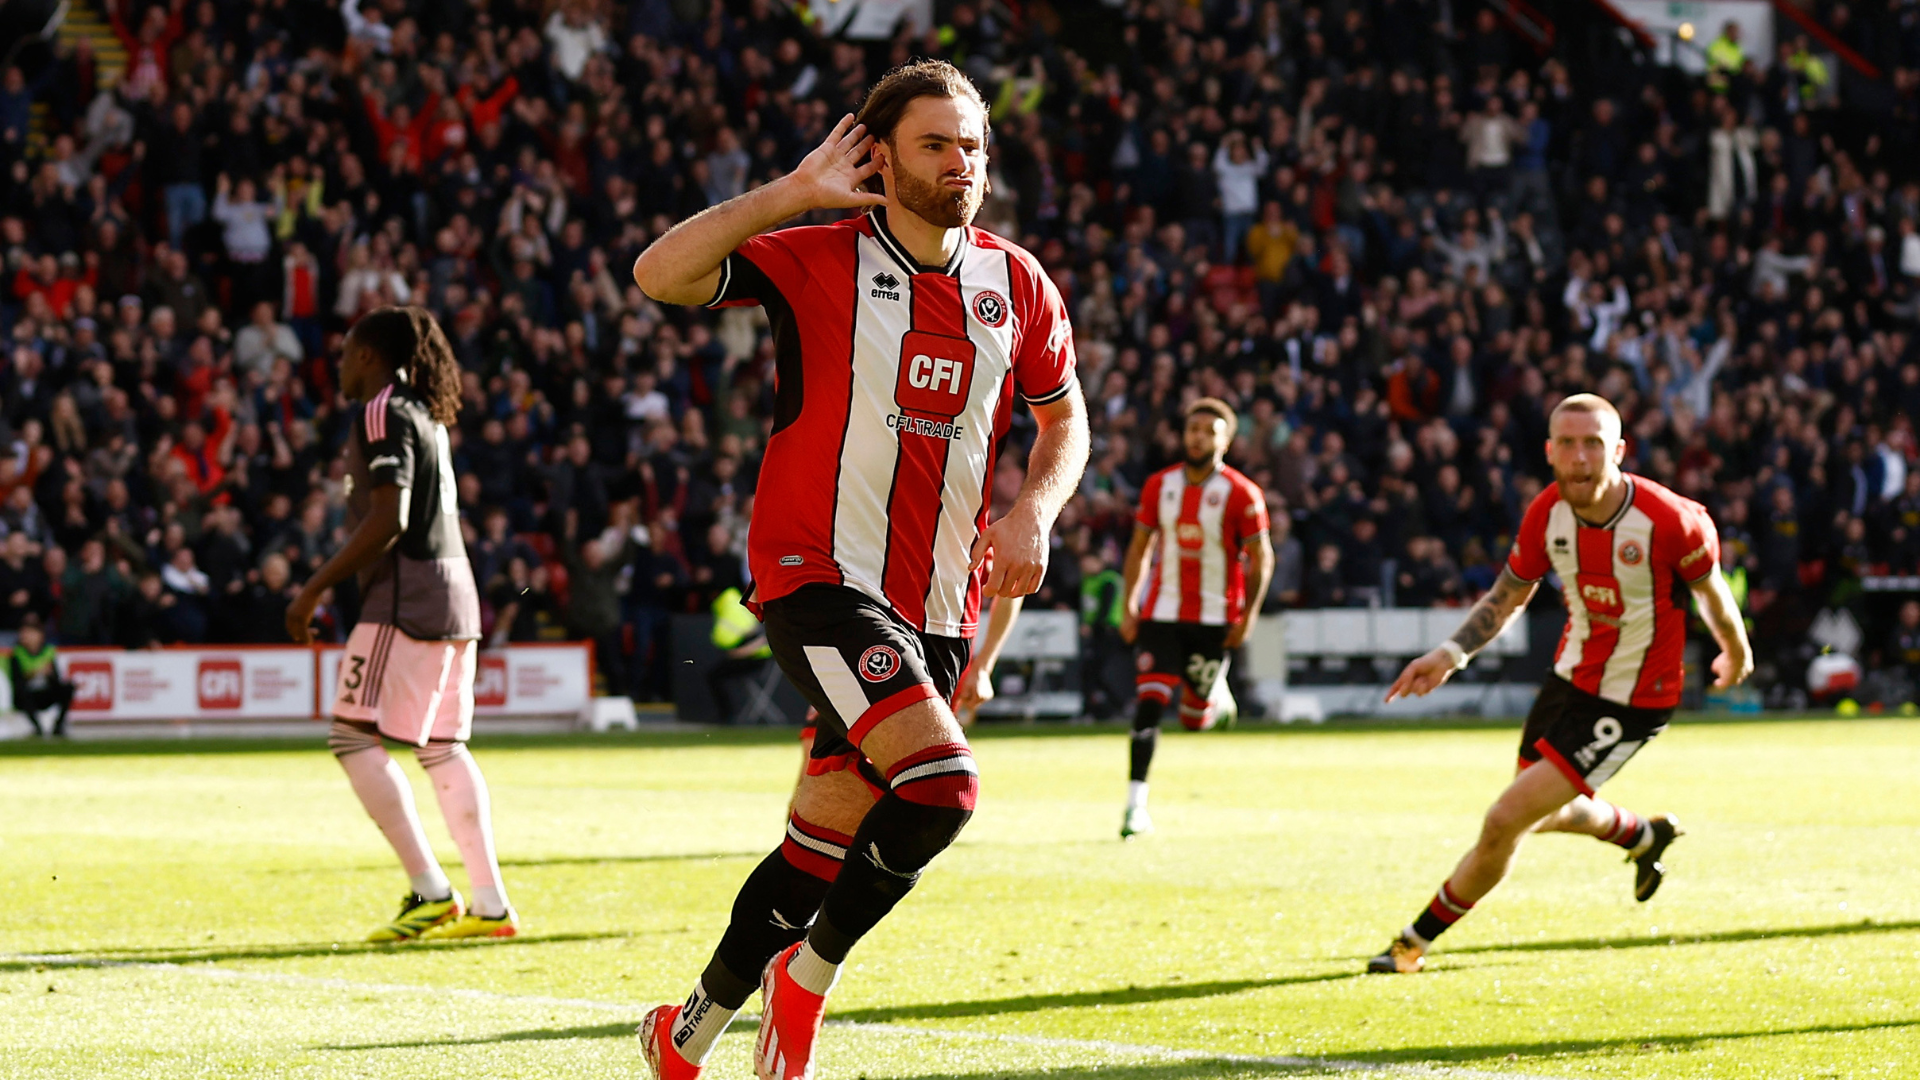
{"x":471,"y":925}
{"x":419,"y":915}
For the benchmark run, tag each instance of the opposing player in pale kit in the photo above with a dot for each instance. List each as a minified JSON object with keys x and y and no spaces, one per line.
{"x":901,"y":338}
{"x":1627,"y":552}
{"x":1200,"y":547}
{"x":407,"y":672}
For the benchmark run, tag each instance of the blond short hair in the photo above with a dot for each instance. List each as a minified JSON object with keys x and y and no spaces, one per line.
{"x":1587,"y":403}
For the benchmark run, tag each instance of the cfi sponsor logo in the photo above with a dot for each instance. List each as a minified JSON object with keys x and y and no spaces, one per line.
{"x":879,"y":663}
{"x":490,"y":682}
{"x":936,"y":375}
{"x":218,"y":684}
{"x":1605,"y":597}
{"x":92,"y":685}
{"x":990,"y":308}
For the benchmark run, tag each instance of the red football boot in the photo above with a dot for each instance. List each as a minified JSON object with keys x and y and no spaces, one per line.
{"x":790,"y":1017}
{"x":656,"y":1046}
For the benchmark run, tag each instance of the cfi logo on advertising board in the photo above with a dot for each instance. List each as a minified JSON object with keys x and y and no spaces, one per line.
{"x":92,"y":685}
{"x":490,"y":682}
{"x":218,"y":684}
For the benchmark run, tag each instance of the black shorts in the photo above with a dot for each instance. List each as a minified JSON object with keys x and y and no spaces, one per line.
{"x":1584,"y":735}
{"x":855,"y":662}
{"x":1170,"y":652}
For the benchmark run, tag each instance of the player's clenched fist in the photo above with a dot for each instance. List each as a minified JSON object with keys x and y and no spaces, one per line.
{"x":834,"y":175}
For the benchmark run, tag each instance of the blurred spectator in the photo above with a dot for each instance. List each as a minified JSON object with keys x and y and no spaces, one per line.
{"x":146,"y":616}
{"x":594,"y":569}
{"x":658,"y":588}
{"x":24,"y":589}
{"x":744,"y":651}
{"x":264,"y":340}
{"x":263,"y":602}
{"x":524,"y":605}
{"x":188,"y":585}
{"x":91,"y":591}
{"x":35,"y":676}
{"x":1324,"y":584}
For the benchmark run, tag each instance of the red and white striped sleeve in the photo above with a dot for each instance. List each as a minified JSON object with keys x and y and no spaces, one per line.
{"x":1043,"y":361}
{"x":1248,"y":510}
{"x":1692,"y":546}
{"x":1148,"y":516}
{"x":769,"y":264}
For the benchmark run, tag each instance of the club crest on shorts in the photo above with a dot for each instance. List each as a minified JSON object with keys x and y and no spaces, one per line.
{"x":990,"y":308}
{"x":1145,"y":661}
{"x":879,"y":663}
{"x":1631,"y":554}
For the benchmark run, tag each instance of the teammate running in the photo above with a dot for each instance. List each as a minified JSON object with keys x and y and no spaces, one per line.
{"x":1623,"y":547}
{"x":901,"y":339}
{"x":407,"y":673}
{"x":1203,"y":518}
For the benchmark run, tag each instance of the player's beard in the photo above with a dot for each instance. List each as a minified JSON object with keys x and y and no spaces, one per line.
{"x":938,"y":204}
{"x":1580,"y":492}
{"x":1203,"y":460}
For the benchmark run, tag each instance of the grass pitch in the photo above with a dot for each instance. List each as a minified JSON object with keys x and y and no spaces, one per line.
{"x":192,"y":910}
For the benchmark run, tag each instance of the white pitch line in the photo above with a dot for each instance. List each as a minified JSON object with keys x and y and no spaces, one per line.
{"x":209,"y":971}
{"x":1170,"y":1053}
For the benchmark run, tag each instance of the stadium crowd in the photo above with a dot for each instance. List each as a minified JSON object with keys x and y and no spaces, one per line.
{"x":1389,"y":231}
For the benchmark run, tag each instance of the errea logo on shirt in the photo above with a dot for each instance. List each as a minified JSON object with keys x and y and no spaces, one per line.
{"x":885,"y":287}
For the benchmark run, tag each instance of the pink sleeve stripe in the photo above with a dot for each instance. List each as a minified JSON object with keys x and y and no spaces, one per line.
{"x":376,"y":415}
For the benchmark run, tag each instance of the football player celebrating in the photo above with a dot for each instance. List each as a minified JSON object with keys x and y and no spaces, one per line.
{"x":407,"y":673}
{"x":901,"y":338}
{"x":1623,"y":547}
{"x":1207,"y":523}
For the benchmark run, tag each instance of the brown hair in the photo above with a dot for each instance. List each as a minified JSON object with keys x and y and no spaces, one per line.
{"x":413,"y":346}
{"x":887,"y":102}
{"x":1218,"y":408}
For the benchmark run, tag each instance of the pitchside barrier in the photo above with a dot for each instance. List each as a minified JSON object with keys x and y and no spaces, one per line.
{"x":1300,"y":665}
{"x":1340,"y":661}
{"x":210,"y":686}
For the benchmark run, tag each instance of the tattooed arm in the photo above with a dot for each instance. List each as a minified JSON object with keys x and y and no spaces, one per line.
{"x":1486,"y":621}
{"x":1490,"y":616}
{"x":1721,"y":613}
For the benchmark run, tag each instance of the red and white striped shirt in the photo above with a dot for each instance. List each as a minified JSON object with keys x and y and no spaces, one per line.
{"x":893,"y":383}
{"x":1625,"y":584}
{"x":1197,"y":577}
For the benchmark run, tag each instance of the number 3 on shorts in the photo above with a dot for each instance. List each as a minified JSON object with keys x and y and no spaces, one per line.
{"x":1201,"y":672}
{"x":355,"y":665}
